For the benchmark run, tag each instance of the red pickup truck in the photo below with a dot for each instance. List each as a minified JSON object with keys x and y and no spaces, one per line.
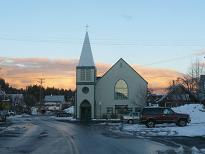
{"x":158,"y":115}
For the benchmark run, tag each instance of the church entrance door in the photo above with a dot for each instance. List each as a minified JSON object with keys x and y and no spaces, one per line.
{"x":85,"y":111}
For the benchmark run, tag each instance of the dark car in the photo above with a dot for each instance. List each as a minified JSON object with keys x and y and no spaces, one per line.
{"x":158,"y":115}
{"x":63,"y":114}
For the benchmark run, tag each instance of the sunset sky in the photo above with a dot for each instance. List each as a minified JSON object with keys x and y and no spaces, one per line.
{"x":44,"y":38}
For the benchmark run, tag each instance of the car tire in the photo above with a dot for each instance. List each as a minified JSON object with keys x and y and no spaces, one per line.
{"x":150,"y":124}
{"x":130,"y":121}
{"x":182,"y":123}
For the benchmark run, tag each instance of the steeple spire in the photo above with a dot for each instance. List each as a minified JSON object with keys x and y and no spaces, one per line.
{"x":86,"y":27}
{"x":86,"y":57}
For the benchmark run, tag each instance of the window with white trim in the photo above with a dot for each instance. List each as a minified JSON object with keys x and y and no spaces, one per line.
{"x":121,"y":90}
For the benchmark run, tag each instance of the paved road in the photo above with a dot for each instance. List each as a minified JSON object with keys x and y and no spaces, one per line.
{"x":43,"y":135}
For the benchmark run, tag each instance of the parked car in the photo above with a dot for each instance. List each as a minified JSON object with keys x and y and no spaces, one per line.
{"x":130,"y":117}
{"x":2,"y":116}
{"x":63,"y":114}
{"x":158,"y":115}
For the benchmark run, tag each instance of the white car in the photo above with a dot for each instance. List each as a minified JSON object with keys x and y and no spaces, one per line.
{"x":10,"y":113}
{"x":130,"y":117}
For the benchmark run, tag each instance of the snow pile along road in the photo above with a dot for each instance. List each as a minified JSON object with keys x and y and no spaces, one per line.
{"x":195,"y":128}
{"x":196,"y":112}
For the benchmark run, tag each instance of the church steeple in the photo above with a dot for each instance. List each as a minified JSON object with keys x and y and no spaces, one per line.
{"x":85,"y":83}
{"x":86,"y":57}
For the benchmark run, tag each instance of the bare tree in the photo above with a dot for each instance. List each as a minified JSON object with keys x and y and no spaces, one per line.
{"x":191,"y":80}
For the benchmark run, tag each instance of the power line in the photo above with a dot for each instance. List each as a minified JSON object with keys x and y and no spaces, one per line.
{"x":54,"y":78}
{"x":33,"y":78}
{"x":112,"y":42}
{"x":169,"y":60}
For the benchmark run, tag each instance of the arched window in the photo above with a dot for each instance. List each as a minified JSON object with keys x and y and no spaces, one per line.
{"x":121,"y":90}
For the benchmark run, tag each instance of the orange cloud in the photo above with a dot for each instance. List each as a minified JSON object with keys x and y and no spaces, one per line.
{"x":60,"y":73}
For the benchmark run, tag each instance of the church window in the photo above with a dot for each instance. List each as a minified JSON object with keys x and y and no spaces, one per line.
{"x":88,"y":74}
{"x":85,"y":74}
{"x":121,"y":90}
{"x":82,"y":74}
{"x":121,"y":109}
{"x":85,"y":90}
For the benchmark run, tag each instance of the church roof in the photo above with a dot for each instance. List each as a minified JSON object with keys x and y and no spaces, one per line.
{"x":86,"y":57}
{"x":127,"y":65}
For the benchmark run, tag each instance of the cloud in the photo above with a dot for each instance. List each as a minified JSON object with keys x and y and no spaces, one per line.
{"x":25,"y":71}
{"x":157,"y":77}
{"x":199,"y":52}
{"x":21,"y":72}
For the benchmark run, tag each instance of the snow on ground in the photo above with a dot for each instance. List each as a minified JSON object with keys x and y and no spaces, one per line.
{"x":63,"y":118}
{"x":18,"y":116}
{"x":195,"y":128}
{"x":194,"y":110}
{"x":2,"y":127}
{"x":21,"y":117}
{"x":166,"y":130}
{"x":70,"y":110}
{"x":194,"y":150}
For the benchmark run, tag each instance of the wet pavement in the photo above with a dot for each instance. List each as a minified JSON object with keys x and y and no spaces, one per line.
{"x":41,"y":135}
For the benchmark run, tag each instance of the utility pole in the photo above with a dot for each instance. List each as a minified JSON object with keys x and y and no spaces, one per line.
{"x":41,"y":81}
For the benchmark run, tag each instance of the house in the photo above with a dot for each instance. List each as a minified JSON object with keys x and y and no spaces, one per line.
{"x":53,"y":102}
{"x":176,"y":96}
{"x":16,"y":99}
{"x":152,"y":99}
{"x":121,"y":89}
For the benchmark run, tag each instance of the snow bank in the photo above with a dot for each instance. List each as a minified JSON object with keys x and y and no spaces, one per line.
{"x":195,"y":128}
{"x":194,"y":110}
{"x":70,"y":110}
{"x":197,"y":151}
{"x":18,"y":116}
{"x":64,"y":118}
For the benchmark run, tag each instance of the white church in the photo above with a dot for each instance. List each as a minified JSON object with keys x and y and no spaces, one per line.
{"x":121,"y":89}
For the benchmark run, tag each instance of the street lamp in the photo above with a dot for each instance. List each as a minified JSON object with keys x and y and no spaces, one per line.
{"x":100,"y":108}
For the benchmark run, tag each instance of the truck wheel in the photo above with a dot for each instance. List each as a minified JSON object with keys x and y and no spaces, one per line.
{"x":130,"y":121}
{"x":150,"y":124}
{"x":182,"y":123}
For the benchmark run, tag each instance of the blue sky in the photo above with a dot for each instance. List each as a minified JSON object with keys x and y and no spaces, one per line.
{"x":141,"y":32}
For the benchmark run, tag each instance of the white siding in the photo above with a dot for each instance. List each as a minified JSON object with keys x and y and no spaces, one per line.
{"x":89,"y":97}
{"x":137,"y":88}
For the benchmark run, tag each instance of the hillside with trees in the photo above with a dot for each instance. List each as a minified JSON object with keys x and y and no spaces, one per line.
{"x":33,"y":93}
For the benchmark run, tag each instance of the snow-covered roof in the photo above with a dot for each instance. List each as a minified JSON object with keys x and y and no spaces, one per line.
{"x":86,"y":57}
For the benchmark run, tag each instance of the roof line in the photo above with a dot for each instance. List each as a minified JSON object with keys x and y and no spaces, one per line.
{"x":128,"y":65}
